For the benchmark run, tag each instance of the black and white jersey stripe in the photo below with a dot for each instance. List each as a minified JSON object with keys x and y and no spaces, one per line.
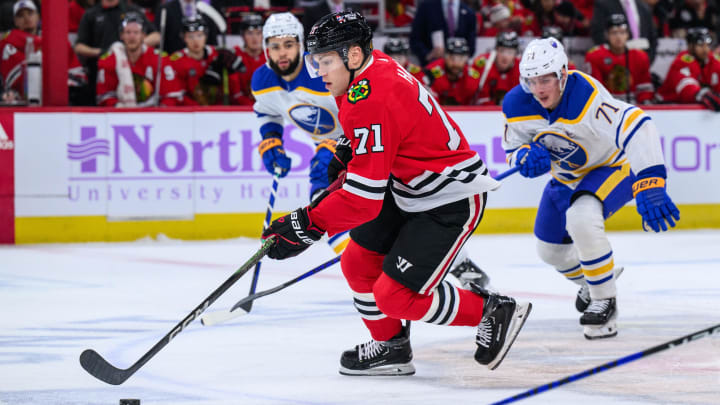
{"x":364,"y":187}
{"x":430,"y":183}
{"x":366,"y":306}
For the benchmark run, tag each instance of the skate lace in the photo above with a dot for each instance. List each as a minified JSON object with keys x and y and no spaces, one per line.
{"x":598,"y":306}
{"x":484,"y":334}
{"x":370,"y":349}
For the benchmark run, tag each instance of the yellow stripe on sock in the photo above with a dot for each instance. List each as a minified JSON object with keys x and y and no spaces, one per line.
{"x":600,"y":270}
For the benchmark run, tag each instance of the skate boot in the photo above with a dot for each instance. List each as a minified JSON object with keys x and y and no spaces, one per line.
{"x":393,"y":357}
{"x":468,"y":271}
{"x":582,"y":300}
{"x":502,"y":320}
{"x":599,"y":319}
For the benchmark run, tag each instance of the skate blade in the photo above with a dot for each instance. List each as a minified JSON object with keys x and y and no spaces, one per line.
{"x":519,"y":317}
{"x":388,"y":370}
{"x":593,"y":332}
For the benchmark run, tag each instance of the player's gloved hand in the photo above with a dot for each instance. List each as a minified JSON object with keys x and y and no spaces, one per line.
{"x":339,"y":162}
{"x":212,"y":76}
{"x":533,"y":159}
{"x":653,"y":202}
{"x":293,"y":233}
{"x":229,"y":60}
{"x":319,"y":166}
{"x":709,"y":99}
{"x":273,"y":154}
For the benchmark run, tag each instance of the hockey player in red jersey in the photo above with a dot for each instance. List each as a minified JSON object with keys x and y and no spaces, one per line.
{"x":693,"y":75}
{"x":251,"y":53}
{"x":200,"y":68}
{"x":452,"y":80}
{"x":26,"y":38}
{"x":624,"y":72}
{"x":498,"y":70}
{"x":399,"y":50}
{"x":413,"y":194}
{"x":127,"y":72}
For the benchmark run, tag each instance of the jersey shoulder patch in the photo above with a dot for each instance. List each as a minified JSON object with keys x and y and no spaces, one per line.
{"x":480,"y":62}
{"x":176,"y":55}
{"x":593,"y":49}
{"x":359,"y":91}
{"x":687,"y":58}
{"x":413,"y":68}
{"x":437,"y":71}
{"x":473,"y":73}
{"x":106,"y":55}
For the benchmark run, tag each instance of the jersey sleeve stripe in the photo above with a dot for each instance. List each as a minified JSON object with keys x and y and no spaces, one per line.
{"x":684,"y":83}
{"x":620,"y":124}
{"x":366,"y":181}
{"x":363,"y":190}
{"x":632,"y":133}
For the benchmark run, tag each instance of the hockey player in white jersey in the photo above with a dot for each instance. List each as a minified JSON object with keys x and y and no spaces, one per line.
{"x":602,"y":153}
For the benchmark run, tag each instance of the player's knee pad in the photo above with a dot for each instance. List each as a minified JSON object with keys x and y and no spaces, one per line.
{"x":585,"y":222}
{"x":560,"y":256}
{"x":361,"y":267}
{"x":393,"y":298}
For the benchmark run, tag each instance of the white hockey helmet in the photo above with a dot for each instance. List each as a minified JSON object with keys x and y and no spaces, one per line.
{"x":542,"y":56}
{"x":282,"y":25}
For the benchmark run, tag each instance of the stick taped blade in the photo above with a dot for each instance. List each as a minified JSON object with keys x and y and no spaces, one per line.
{"x":214,"y":318}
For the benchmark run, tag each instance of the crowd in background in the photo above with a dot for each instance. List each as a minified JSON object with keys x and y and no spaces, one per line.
{"x":117,"y":58}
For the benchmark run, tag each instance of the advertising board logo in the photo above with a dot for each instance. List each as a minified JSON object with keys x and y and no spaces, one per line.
{"x":89,"y":148}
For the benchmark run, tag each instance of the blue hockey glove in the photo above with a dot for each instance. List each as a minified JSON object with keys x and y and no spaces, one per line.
{"x":533,"y":159}
{"x":653,"y":202}
{"x":273,"y":154}
{"x":324,"y":153}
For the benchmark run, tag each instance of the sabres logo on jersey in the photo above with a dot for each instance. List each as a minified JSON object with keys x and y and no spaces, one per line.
{"x":359,"y":91}
{"x":564,"y":151}
{"x":314,"y":119}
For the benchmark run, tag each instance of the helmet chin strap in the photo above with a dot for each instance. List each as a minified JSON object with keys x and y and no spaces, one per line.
{"x":352,"y":71}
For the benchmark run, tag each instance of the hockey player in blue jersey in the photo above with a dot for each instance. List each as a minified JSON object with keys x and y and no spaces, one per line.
{"x":602,"y":153}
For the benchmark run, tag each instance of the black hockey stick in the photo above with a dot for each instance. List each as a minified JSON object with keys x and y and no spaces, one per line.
{"x":618,"y":362}
{"x":213,"y":318}
{"x":99,"y":368}
{"x":268,"y":217}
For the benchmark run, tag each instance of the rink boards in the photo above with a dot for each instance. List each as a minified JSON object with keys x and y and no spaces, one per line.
{"x":102,"y":174}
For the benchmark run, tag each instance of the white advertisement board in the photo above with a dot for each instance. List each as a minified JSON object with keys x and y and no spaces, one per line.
{"x":174,"y":164}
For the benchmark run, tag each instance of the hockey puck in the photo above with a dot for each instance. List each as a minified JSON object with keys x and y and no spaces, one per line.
{"x":129,"y":402}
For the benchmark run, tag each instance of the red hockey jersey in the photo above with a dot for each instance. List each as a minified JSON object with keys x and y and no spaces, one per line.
{"x":12,"y":61}
{"x":495,"y":84}
{"x":626,"y":76}
{"x":457,"y":92}
{"x":143,"y":71}
{"x":195,"y":92}
{"x":251,"y":64}
{"x":686,"y":77}
{"x":402,"y":140}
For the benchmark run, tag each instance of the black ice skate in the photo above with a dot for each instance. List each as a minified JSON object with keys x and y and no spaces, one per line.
{"x":582,"y":300}
{"x":502,"y":320}
{"x":467,"y":271}
{"x":599,"y":319}
{"x":393,"y":357}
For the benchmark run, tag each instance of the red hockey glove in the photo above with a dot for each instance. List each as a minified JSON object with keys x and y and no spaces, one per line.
{"x":709,"y":99}
{"x":339,"y":162}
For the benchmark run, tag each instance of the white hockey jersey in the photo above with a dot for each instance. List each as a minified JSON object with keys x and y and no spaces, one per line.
{"x":588,"y":129}
{"x":304,"y":102}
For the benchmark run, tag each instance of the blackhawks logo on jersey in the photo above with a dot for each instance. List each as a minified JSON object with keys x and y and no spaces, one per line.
{"x":359,"y":91}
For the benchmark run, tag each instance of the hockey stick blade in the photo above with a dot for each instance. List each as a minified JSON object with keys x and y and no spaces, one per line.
{"x":237,"y":310}
{"x":99,"y":368}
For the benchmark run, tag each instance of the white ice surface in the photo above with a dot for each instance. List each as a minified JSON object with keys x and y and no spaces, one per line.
{"x":120,"y":299}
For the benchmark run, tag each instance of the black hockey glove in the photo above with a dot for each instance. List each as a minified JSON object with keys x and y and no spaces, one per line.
{"x":709,"y":99}
{"x":293,"y":234}
{"x":212,"y":76}
{"x":343,"y":156}
{"x":229,"y":60}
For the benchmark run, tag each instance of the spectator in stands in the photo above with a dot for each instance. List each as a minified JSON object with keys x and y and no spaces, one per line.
{"x":321,"y":9}
{"x":452,"y":80}
{"x":436,"y":20}
{"x":401,"y":12}
{"x":25,"y":37}
{"x":499,"y":70}
{"x":661,"y":11}
{"x":695,"y":13}
{"x":572,"y":21}
{"x":76,"y":9}
{"x":399,"y":50}
{"x":542,"y":15}
{"x":624,"y":72}
{"x":251,"y":53}
{"x":177,"y":10}
{"x":693,"y":75}
{"x":640,"y":23}
{"x":127,"y":73}
{"x":552,"y":31}
{"x":498,"y":20}
{"x":99,"y":28}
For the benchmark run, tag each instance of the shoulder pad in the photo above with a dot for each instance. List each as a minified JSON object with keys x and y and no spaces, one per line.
{"x":176,"y":55}
{"x":473,"y":73}
{"x":687,"y":58}
{"x":437,"y":71}
{"x":480,"y":62}
{"x":413,"y":68}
